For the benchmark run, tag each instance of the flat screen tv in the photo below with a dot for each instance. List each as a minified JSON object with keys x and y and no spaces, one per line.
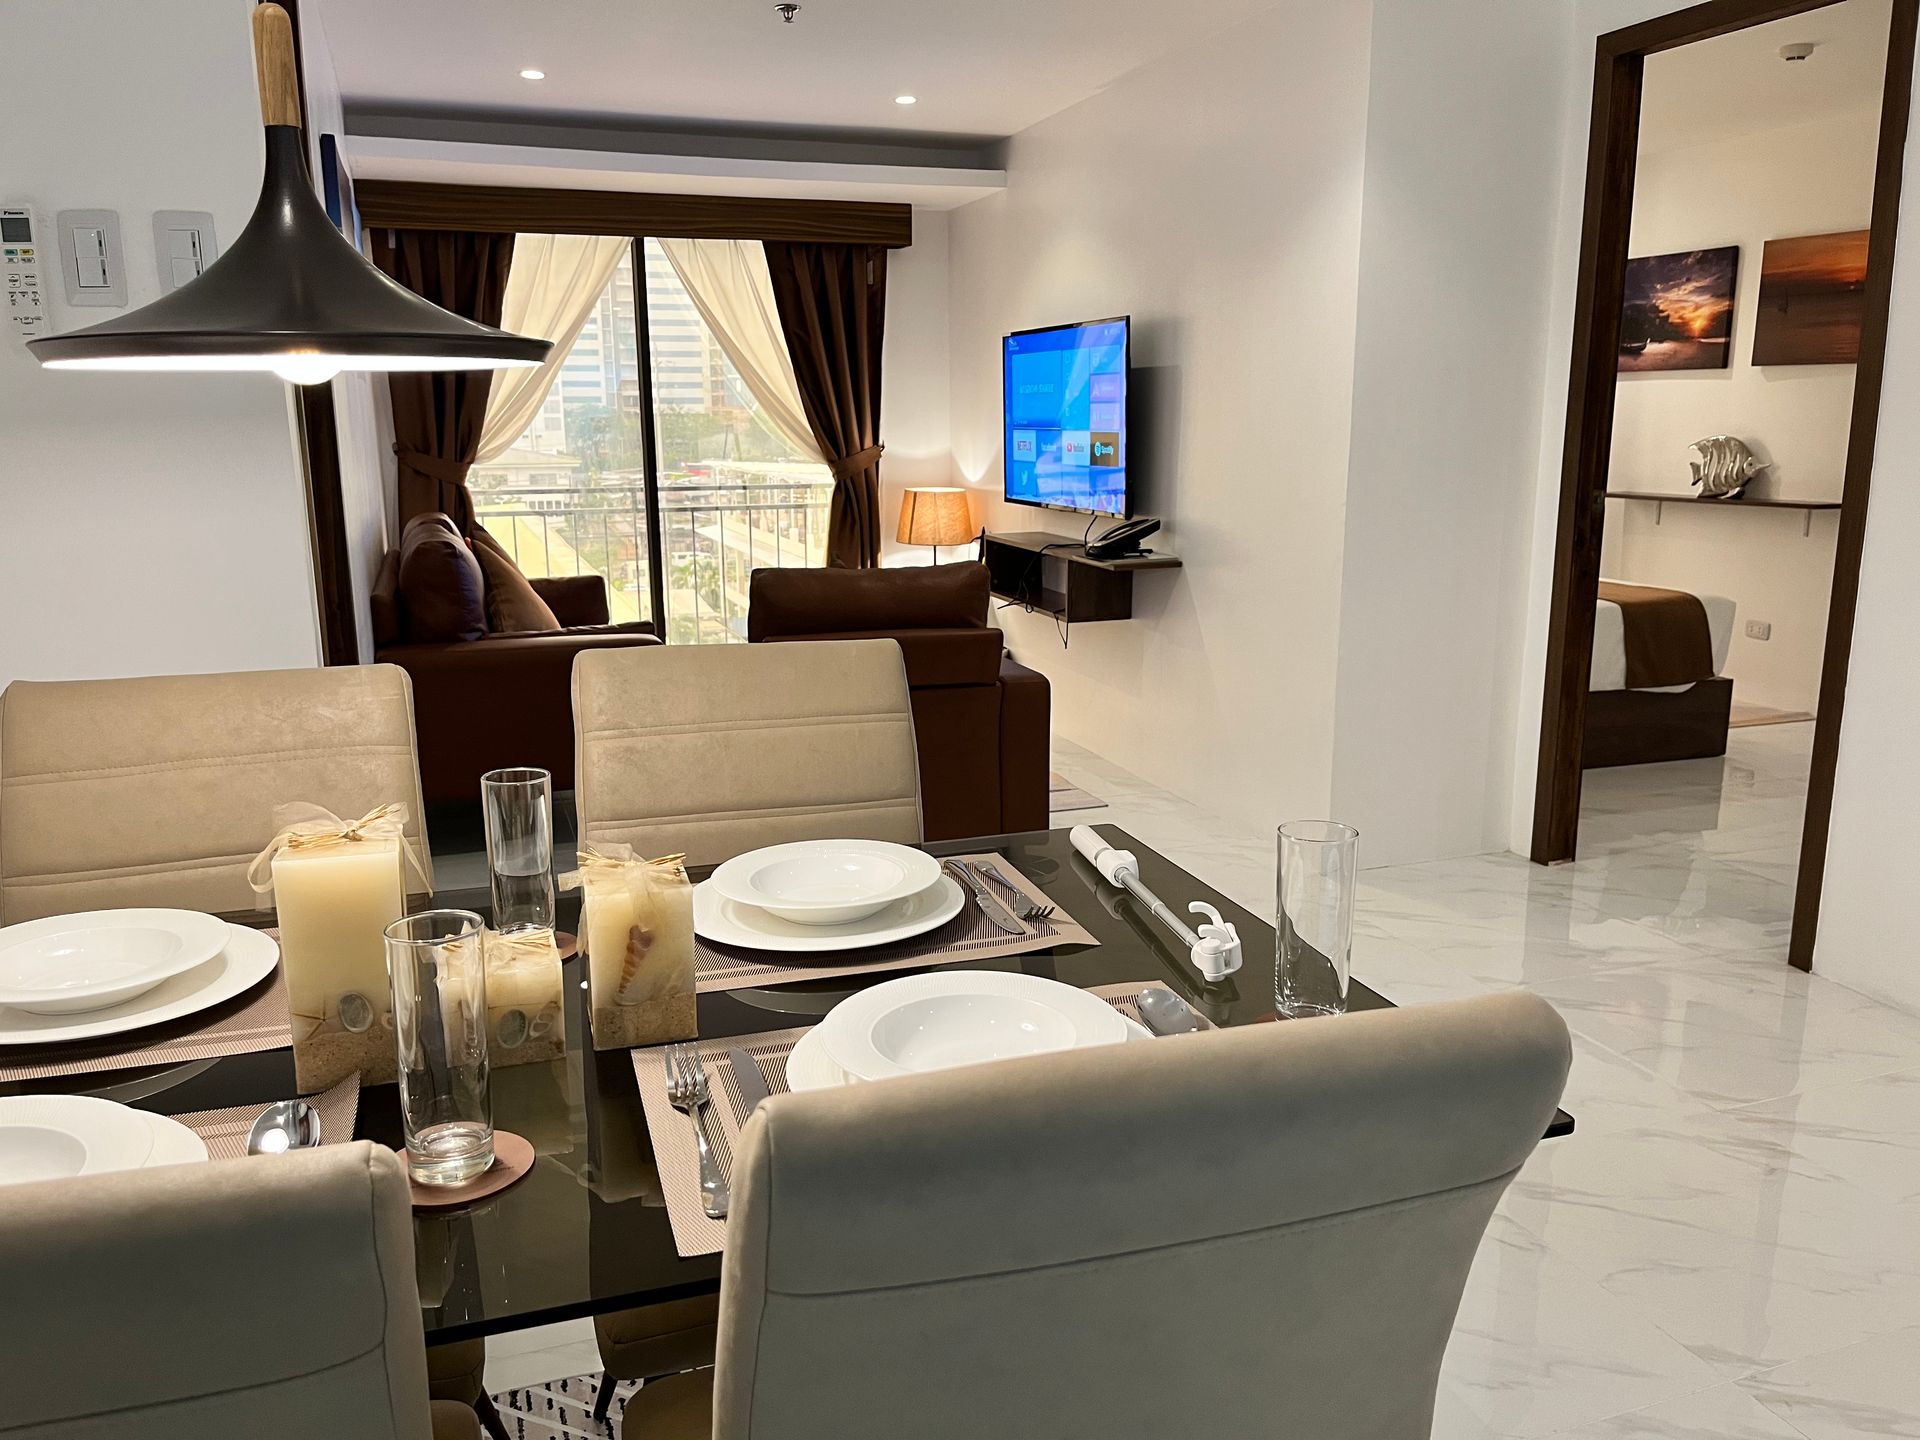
{"x":1066,"y":411}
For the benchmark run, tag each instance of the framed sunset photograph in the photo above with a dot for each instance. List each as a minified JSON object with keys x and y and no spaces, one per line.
{"x":1813,"y":291}
{"x":1679,"y":310}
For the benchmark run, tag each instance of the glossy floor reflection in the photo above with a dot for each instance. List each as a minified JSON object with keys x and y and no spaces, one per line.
{"x":1729,"y":1246}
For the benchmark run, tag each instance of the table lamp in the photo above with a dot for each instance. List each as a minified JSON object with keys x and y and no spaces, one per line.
{"x":935,"y":515}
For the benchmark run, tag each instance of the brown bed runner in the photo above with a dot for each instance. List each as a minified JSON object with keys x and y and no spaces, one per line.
{"x":1667,"y":638}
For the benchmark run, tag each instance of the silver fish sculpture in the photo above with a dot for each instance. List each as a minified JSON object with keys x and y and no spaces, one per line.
{"x":1724,"y":467}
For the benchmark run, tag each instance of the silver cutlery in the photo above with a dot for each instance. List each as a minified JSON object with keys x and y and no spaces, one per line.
{"x":1165,"y":1013}
{"x":284,"y":1125}
{"x":1031,"y":911}
{"x":687,"y":1092}
{"x":989,"y":903}
{"x":747,"y":1079}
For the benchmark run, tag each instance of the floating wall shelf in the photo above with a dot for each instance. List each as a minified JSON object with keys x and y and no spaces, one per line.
{"x":1661,"y":500}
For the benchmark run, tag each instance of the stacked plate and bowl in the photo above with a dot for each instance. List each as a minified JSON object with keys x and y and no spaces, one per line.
{"x":69,"y":979}
{"x":816,"y":896}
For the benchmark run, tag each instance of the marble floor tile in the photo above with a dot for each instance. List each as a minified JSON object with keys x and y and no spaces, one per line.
{"x":1869,"y":1389}
{"x":1725,"y":1412}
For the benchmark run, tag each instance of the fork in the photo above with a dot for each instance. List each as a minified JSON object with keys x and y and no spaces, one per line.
{"x":687,"y":1091}
{"x":1032,"y":911}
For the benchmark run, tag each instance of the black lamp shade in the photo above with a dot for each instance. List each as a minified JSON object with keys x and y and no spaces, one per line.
{"x":291,"y":295}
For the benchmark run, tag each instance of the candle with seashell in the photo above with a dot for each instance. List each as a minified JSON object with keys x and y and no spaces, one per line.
{"x":638,"y":929}
{"x":525,"y":1020}
{"x":336,"y":886}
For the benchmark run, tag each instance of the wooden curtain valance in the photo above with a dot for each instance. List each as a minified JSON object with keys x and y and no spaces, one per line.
{"x":417,"y":205}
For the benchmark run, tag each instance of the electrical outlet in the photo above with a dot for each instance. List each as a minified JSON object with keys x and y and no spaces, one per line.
{"x":1759,"y":630}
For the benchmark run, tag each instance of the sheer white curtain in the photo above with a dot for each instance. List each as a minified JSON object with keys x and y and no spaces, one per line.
{"x":552,"y":287}
{"x":730,"y":287}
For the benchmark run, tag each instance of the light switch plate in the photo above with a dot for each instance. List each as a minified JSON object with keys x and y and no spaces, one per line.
{"x":92,"y":260}
{"x":182,"y":246}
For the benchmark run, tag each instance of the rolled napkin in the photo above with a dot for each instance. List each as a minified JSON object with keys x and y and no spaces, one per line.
{"x":637,"y":926}
{"x":526,"y":1022}
{"x":337,"y":884}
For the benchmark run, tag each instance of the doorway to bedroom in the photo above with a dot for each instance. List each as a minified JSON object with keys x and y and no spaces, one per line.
{"x":1719,"y":439}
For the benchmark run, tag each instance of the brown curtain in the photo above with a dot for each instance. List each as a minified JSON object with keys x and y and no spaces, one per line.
{"x":437,"y":414}
{"x":833,"y":305}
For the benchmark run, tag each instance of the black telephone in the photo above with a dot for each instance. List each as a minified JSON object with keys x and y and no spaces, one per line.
{"x":1123,"y":539}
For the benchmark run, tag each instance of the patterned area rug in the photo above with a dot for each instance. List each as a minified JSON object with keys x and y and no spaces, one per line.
{"x":560,"y":1408}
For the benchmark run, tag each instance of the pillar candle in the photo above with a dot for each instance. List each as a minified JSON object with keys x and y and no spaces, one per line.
{"x":334,"y":904}
{"x":639,"y":928}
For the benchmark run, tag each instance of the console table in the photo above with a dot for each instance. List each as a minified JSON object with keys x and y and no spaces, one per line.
{"x":1088,"y":589}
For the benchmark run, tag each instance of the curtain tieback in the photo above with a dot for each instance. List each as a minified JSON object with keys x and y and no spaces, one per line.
{"x":847,"y":466}
{"x":453,"y":472}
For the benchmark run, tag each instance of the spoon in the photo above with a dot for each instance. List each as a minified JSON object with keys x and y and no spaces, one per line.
{"x":282,"y":1126}
{"x":1164,"y":1013}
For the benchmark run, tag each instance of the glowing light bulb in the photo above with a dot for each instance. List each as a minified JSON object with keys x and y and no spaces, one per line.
{"x":306,"y":368}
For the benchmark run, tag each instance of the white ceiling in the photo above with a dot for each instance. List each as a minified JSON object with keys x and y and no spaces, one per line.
{"x":979,"y":67}
{"x":1738,"y":83}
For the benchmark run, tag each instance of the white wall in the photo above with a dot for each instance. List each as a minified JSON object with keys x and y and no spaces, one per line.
{"x":1744,"y":190}
{"x":1214,"y":195}
{"x":153,"y":524}
{"x":1462,"y":154}
{"x":1870,"y":912}
{"x":915,"y":415}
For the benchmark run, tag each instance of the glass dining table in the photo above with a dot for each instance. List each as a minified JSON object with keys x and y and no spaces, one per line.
{"x":586,"y":1231}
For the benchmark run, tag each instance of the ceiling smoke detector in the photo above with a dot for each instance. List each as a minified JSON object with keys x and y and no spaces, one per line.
{"x":1796,"y":52}
{"x":786,"y":11}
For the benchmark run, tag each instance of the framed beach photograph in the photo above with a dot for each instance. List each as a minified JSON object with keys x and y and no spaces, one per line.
{"x":1679,"y":310}
{"x":1812,"y":297}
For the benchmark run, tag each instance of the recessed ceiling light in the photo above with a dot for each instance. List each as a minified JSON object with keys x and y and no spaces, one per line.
{"x":533,"y":74}
{"x":906,"y":99}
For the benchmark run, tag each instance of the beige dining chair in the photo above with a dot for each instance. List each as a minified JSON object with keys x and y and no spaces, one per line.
{"x":1259,"y":1231}
{"x":160,"y":791}
{"x":266,"y":1296}
{"x":712,"y":750}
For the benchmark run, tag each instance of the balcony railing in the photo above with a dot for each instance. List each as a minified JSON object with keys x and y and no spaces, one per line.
{"x":713,"y":536}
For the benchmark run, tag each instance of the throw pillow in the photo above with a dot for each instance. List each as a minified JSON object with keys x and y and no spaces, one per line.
{"x":442,"y":592}
{"x":512,"y":603}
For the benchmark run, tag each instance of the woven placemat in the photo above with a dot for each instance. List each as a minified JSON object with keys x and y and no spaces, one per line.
{"x":225,"y":1131}
{"x":676,"y":1153}
{"x":968,"y":936}
{"x":255,"y":1020}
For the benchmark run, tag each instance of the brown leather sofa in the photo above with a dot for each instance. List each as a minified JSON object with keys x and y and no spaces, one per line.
{"x":483,"y":699}
{"x":980,"y":718}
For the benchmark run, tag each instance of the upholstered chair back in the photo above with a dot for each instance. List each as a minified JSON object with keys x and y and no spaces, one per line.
{"x":271,"y":1296}
{"x":712,"y":750}
{"x":1261,"y":1231}
{"x":160,"y":791}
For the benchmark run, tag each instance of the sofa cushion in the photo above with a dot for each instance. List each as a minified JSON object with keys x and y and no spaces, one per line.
{"x":820,"y":602}
{"x":512,"y":604}
{"x":442,"y":589}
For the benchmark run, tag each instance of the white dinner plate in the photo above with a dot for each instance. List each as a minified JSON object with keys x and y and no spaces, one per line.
{"x":726,"y":922}
{"x":56,"y":1137}
{"x":810,"y":1067}
{"x":920,"y":1023}
{"x":173,"y":1143}
{"x":826,"y":882}
{"x":68,"y":964}
{"x":247,"y":959}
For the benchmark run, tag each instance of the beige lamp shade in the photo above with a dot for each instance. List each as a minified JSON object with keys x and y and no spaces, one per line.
{"x":935,"y":515}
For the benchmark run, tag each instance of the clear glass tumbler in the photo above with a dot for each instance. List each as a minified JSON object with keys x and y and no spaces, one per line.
{"x":1319,"y":860}
{"x":518,"y":809}
{"x":436,"y":962}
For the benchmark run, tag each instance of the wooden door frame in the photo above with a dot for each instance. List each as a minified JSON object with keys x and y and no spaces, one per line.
{"x":1613,"y":140}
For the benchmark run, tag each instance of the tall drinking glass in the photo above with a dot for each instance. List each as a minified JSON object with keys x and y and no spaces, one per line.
{"x":1319,"y":860}
{"x":437,"y":964}
{"x":518,"y":809}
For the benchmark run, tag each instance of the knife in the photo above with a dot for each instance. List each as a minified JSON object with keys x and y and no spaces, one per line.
{"x":989,"y":904}
{"x":747,"y":1079}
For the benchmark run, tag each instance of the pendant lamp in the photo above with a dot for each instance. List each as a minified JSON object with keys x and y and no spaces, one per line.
{"x":291,"y":294}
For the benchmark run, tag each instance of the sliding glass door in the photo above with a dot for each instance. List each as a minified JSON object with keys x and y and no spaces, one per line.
{"x":649,"y":464}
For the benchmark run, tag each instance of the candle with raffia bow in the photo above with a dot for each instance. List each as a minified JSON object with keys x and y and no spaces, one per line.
{"x":637,"y":925}
{"x":337,"y":884}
